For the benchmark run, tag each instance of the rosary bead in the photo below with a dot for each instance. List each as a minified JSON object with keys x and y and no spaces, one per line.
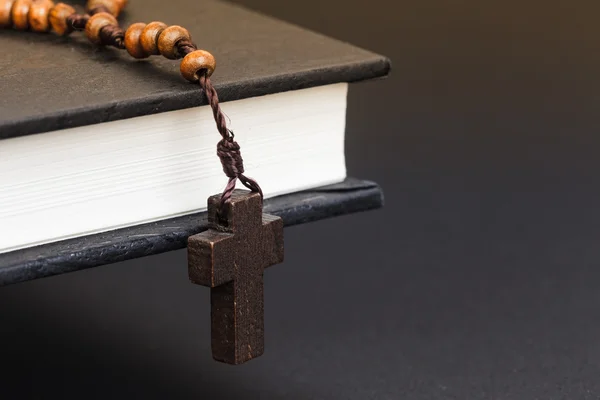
{"x":132,"y":40}
{"x":149,"y":37}
{"x":167,"y":41}
{"x":38,"y":15}
{"x":113,"y":6}
{"x":5,"y":17}
{"x":58,"y":18}
{"x":96,"y":23}
{"x":20,"y":11}
{"x":195,"y":62}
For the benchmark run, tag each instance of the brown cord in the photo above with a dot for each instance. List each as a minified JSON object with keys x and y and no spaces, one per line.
{"x":184,"y":47}
{"x":77,"y":22}
{"x":228,"y":149}
{"x":113,"y":35}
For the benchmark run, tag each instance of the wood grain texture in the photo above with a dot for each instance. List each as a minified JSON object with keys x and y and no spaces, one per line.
{"x":230,"y":258}
{"x":149,"y":37}
{"x":132,"y":40}
{"x":5,"y":13}
{"x":39,"y":15}
{"x":96,"y":23}
{"x":168,"y":38}
{"x":58,"y":18}
{"x":197,"y":61}
{"x":20,"y":14}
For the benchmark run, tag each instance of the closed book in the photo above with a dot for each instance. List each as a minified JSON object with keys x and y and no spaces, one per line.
{"x":100,"y":152}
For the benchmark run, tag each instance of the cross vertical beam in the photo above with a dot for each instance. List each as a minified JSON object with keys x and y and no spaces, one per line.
{"x":230,"y":258}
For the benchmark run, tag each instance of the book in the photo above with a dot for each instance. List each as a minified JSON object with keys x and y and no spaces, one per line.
{"x":93,"y":141}
{"x":114,"y":174}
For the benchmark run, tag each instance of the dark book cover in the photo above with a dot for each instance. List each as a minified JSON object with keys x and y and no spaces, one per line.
{"x":49,"y":82}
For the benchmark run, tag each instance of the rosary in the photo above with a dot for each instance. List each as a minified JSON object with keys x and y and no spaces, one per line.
{"x":231,"y":256}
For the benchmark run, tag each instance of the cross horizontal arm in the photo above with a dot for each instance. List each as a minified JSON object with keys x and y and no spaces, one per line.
{"x":208,"y":252}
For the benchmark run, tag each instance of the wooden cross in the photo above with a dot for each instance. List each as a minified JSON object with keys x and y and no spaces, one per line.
{"x":230,"y":258}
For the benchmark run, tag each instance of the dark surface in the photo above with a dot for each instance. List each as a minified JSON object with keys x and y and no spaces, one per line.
{"x":350,"y":196}
{"x":231,"y":258}
{"x":480,"y":279}
{"x":49,"y":82}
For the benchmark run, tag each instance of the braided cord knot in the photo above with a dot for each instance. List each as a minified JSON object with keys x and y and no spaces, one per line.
{"x":229,"y":153}
{"x":228,"y":149}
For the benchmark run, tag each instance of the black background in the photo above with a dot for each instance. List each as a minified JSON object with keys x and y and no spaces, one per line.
{"x":478,"y":280}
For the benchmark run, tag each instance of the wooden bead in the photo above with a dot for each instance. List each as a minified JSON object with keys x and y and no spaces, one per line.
{"x":149,"y":37}
{"x":113,"y":6}
{"x":167,"y":41}
{"x":5,"y":9}
{"x":19,"y":14}
{"x":58,"y":18}
{"x":195,"y":62}
{"x":96,"y":23}
{"x":38,"y":15}
{"x":132,"y":40}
